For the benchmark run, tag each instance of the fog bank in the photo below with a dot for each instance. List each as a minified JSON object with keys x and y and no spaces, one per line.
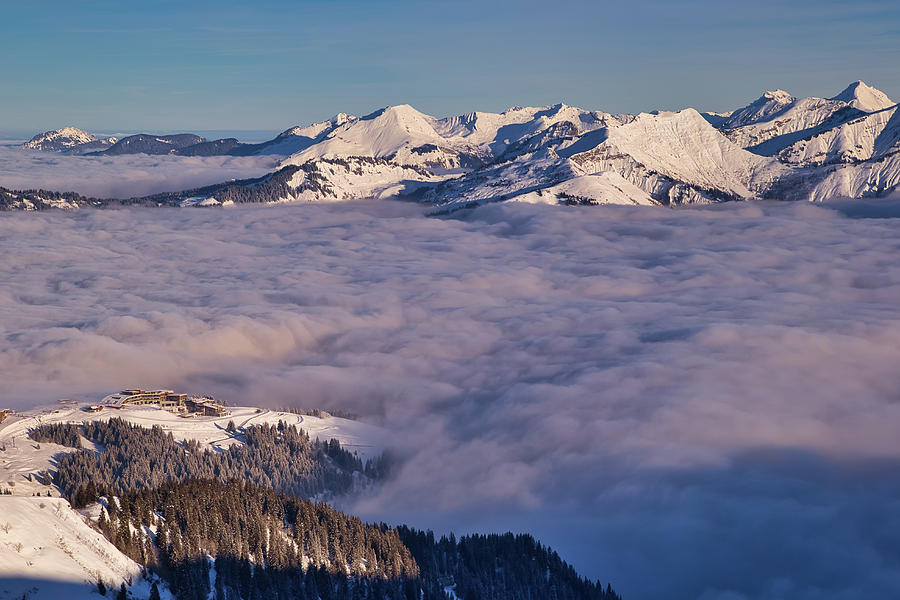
{"x":697,"y":403}
{"x":124,"y":176}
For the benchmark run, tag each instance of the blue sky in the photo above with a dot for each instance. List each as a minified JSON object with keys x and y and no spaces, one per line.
{"x":167,"y":65}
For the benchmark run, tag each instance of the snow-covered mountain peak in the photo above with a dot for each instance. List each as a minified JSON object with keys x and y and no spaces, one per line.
{"x":394,"y":111}
{"x":341,"y":118}
{"x":289,"y":132}
{"x":399,"y":133}
{"x":406,"y":109}
{"x":59,"y":139}
{"x":75,"y":132}
{"x":685,"y":117}
{"x":70,"y":140}
{"x":770,"y":104}
{"x":780,"y":96}
{"x":405,"y":115}
{"x":864,"y":97}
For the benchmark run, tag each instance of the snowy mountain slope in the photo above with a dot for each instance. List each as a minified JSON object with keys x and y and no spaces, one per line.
{"x":502,"y":181}
{"x":678,"y":157}
{"x":58,"y":139}
{"x":764,"y":108}
{"x":48,"y":551}
{"x":295,"y":139}
{"x":335,"y":179}
{"x":497,"y":132}
{"x":671,"y":158}
{"x":871,"y":136}
{"x":408,"y":137}
{"x":398,"y":133}
{"x":541,"y":177}
{"x":601,"y":188}
{"x":412,"y":150}
{"x":864,"y":97}
{"x":777,"y":120}
{"x":871,"y":178}
{"x":67,"y":139}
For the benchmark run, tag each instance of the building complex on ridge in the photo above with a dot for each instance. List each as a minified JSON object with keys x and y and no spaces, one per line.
{"x":167,"y":399}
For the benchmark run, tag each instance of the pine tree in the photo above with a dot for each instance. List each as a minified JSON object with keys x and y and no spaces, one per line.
{"x":123,"y":535}
{"x":102,"y":523}
{"x":123,"y":593}
{"x":154,"y":592}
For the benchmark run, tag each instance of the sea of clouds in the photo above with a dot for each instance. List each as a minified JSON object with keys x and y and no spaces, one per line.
{"x":124,"y":176}
{"x":689,"y":404}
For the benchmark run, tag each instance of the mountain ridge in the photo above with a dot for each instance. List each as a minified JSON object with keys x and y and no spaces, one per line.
{"x":776,"y":147}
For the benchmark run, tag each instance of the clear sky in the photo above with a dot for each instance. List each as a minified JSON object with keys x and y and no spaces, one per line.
{"x":269,"y":64}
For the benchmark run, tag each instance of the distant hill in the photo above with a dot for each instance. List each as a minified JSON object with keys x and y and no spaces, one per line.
{"x":143,"y":143}
{"x":68,"y":139}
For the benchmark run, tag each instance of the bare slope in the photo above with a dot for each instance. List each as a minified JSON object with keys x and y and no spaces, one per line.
{"x":48,"y":552}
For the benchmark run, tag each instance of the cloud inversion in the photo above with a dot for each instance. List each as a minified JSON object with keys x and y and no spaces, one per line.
{"x":125,"y":176}
{"x":699,"y":403}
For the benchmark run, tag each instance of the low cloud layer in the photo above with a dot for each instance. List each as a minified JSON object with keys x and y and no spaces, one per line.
{"x":121,"y":176}
{"x":697,"y":403}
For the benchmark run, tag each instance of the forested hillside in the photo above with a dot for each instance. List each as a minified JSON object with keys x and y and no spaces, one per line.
{"x":277,"y":456}
{"x":244,"y":541}
{"x":237,"y":524}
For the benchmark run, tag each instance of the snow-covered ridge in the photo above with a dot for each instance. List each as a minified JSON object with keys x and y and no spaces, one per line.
{"x":779,"y":146}
{"x":685,"y":149}
{"x":872,"y":135}
{"x":411,"y":138}
{"x":673,"y":158}
{"x":777,"y":120}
